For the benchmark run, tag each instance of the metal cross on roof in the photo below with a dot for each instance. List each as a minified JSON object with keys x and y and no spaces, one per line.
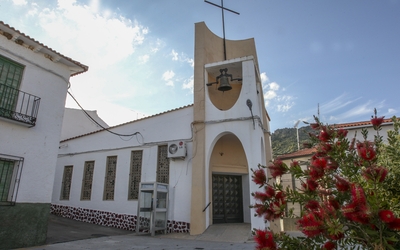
{"x":223,"y":21}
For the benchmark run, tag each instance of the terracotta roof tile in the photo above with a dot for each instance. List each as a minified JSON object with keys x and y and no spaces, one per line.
{"x":300,"y":153}
{"x":5,"y":29}
{"x":356,"y":124}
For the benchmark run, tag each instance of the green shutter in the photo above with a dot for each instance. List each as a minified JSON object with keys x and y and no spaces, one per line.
{"x":6,"y":173}
{"x":10,"y":80}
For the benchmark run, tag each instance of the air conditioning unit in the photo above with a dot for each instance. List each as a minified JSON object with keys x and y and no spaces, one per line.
{"x":177,"y":149}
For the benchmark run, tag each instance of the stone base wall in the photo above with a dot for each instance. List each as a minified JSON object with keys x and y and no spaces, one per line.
{"x":109,"y":219}
{"x":23,"y":225}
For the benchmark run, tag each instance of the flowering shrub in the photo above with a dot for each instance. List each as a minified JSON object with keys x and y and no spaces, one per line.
{"x":345,"y":198}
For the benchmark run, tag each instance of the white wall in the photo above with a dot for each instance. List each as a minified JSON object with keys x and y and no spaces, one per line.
{"x":156,"y":130}
{"x":76,"y":123}
{"x":38,"y":145}
{"x":248,"y":134}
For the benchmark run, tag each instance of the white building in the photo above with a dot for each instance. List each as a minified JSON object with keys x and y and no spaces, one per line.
{"x":221,"y":137}
{"x":77,"y":122}
{"x":33,"y":87}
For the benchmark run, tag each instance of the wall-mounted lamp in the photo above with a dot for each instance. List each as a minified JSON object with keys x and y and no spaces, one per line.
{"x":223,"y":80}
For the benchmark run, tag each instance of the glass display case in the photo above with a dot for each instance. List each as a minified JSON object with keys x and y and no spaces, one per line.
{"x":152,"y":210}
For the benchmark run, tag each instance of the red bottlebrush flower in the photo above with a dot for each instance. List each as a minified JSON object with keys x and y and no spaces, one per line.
{"x":277,"y":168}
{"x":349,"y":209}
{"x":259,"y":177}
{"x":329,"y":246}
{"x":260,"y":209}
{"x":337,"y":236}
{"x":310,"y":225}
{"x":377,"y":121}
{"x":334,"y":203}
{"x":277,"y":208}
{"x":374,"y":173}
{"x":294,"y":164}
{"x":386,"y":216}
{"x":331,"y":164}
{"x":314,"y":126}
{"x":356,"y":212}
{"x":312,"y":205}
{"x":264,"y":240}
{"x":269,"y":215}
{"x":280,"y":196}
{"x":395,"y":224}
{"x":261,"y":196}
{"x":358,"y":195}
{"x":324,"y":136}
{"x":342,"y":185}
{"x":269,"y":191}
{"x":325,"y":147}
{"x":316,"y":172}
{"x":310,"y":185}
{"x":341,"y":133}
{"x":366,"y":151}
{"x":319,"y":162}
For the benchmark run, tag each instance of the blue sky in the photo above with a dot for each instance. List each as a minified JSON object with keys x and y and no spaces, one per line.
{"x":342,"y":55}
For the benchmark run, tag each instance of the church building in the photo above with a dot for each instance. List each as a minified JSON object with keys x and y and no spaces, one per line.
{"x":204,"y":152}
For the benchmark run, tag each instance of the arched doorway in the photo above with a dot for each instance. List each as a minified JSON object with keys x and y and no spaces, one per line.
{"x":229,"y":168}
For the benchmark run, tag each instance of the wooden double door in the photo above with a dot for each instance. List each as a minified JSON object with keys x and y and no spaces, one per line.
{"x":227,"y":198}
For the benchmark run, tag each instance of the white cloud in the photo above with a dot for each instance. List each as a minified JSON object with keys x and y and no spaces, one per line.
{"x":188,"y":84}
{"x":20,"y":2}
{"x":144,"y":59}
{"x":284,"y":107}
{"x":264,"y":77}
{"x":77,"y":30}
{"x":274,"y":86}
{"x":182,"y":57}
{"x":190,"y":61}
{"x":167,"y":76}
{"x":174,"y":55}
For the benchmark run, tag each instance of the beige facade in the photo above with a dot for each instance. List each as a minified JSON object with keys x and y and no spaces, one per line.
{"x":220,"y":146}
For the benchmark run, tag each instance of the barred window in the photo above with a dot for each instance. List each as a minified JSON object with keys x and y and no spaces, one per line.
{"x":109,"y":183}
{"x":10,"y":173}
{"x":135,"y":174}
{"x":163,"y":165}
{"x":87,"y":180}
{"x":66,"y":183}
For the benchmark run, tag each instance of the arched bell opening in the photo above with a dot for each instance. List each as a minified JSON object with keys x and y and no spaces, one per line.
{"x":229,"y":185}
{"x":224,"y":84}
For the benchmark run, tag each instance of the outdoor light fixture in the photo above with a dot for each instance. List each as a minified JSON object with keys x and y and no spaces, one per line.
{"x":223,"y":80}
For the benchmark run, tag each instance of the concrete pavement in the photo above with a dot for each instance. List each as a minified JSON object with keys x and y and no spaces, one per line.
{"x":68,"y":234}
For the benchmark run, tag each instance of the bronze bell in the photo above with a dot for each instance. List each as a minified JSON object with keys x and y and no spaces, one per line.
{"x":223,"y":80}
{"x":224,"y":83}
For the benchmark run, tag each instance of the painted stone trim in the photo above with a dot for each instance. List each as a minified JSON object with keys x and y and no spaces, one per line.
{"x":109,"y":219}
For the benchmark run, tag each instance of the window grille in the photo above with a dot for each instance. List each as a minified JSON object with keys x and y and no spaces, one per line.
{"x":10,"y":174}
{"x":163,"y":165}
{"x":66,"y":184}
{"x":16,"y":105}
{"x":109,"y":183}
{"x":135,"y":174}
{"x":87,"y":180}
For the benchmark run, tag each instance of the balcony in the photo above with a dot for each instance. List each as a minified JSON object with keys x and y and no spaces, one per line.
{"x":18,"y":106}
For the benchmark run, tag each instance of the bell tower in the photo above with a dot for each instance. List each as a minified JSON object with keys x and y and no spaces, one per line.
{"x":231,"y":131}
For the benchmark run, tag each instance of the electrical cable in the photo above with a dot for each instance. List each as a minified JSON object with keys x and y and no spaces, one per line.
{"x":91,"y":118}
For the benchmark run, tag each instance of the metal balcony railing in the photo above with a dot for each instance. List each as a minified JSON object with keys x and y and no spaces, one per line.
{"x":19,"y":106}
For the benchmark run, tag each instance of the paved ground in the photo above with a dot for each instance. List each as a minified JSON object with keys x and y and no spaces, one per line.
{"x":68,"y":234}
